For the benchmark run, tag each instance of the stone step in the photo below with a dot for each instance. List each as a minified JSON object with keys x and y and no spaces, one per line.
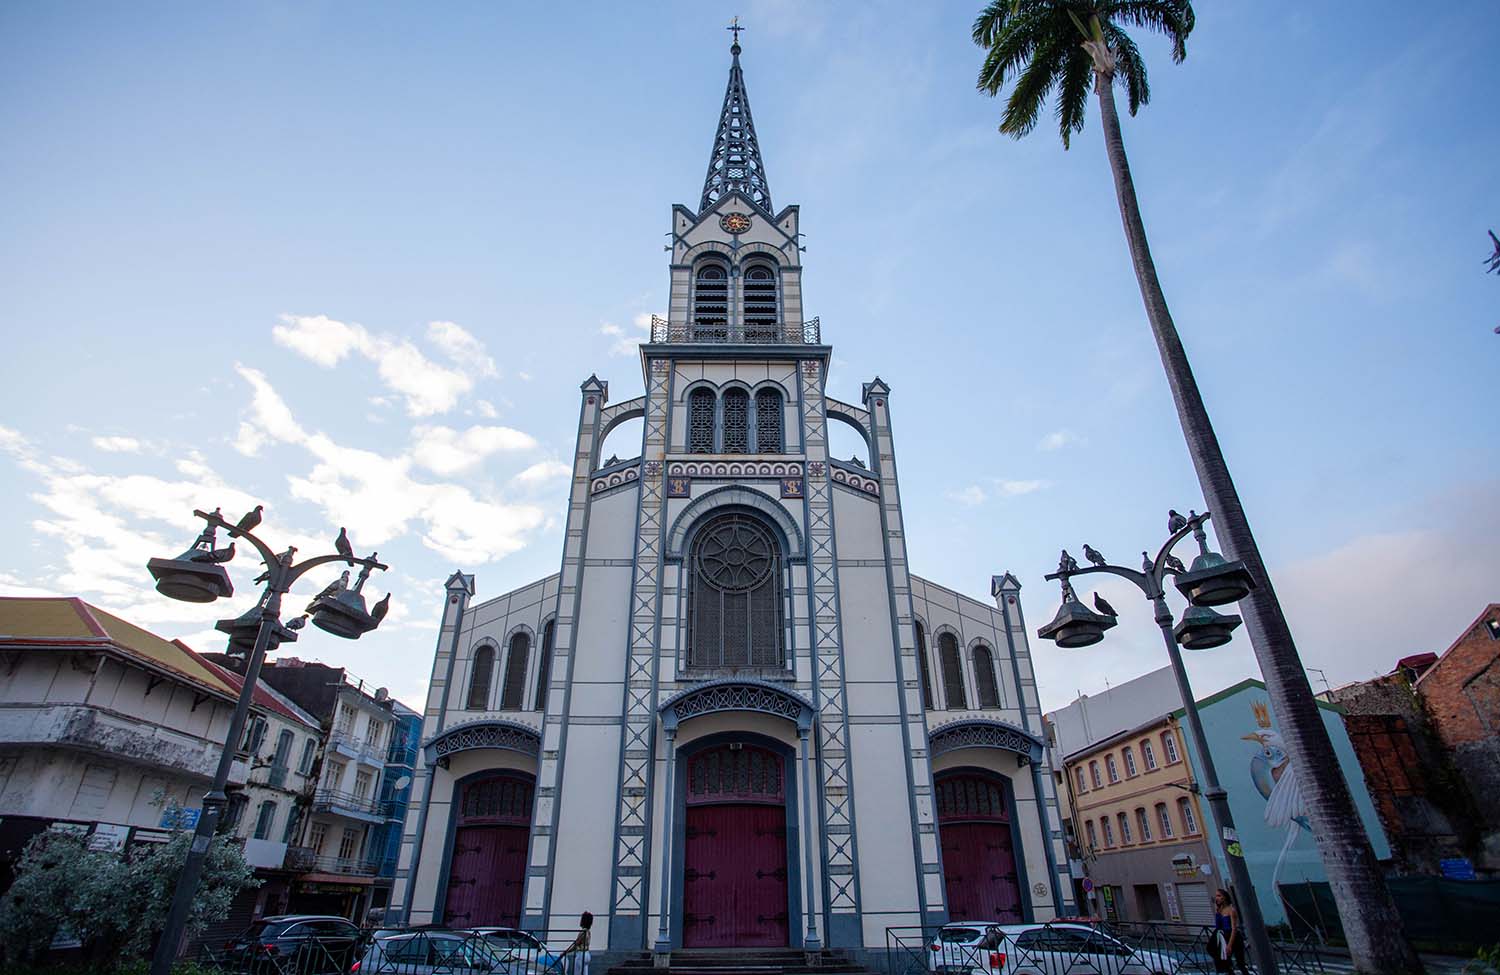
{"x":742,"y":961}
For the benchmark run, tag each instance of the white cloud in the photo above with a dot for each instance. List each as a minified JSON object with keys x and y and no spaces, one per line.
{"x":118,"y":445}
{"x":972,"y":495}
{"x":1015,"y":488}
{"x":11,"y":441}
{"x":627,"y":342}
{"x":446,"y":451}
{"x":486,"y":409}
{"x":1058,"y":439}
{"x":541,"y":473}
{"x":428,"y":388}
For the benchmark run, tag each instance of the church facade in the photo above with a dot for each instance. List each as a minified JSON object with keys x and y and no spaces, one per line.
{"x":733,"y":717}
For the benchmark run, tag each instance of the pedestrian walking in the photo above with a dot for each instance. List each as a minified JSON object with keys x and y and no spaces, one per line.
{"x":575,"y":957}
{"x":1228,"y":945}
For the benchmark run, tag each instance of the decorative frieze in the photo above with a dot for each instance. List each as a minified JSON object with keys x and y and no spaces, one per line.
{"x":742,"y":470}
{"x":614,"y":479}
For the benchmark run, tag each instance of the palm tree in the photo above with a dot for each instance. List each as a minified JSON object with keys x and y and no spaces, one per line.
{"x":1066,"y":48}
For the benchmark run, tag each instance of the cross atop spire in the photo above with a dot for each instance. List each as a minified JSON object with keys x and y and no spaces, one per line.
{"x":735,"y":164}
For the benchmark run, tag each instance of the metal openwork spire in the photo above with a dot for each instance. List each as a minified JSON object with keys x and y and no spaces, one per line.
{"x":735,"y":164}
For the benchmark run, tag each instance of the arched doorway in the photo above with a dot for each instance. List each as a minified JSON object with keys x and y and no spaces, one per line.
{"x":979,"y":857}
{"x":488,"y":869}
{"x":735,"y":849}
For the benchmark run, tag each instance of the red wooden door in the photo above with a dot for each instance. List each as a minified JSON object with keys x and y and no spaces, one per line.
{"x":488,"y":868}
{"x":735,"y":859}
{"x":979,"y":860}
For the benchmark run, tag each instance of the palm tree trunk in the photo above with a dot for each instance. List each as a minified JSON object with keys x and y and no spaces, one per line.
{"x":1371,"y":924}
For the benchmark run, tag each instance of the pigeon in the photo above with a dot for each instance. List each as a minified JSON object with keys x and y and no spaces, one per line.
{"x":1175,"y":521}
{"x":342,"y":544}
{"x":1174,"y":564}
{"x":251,"y":519}
{"x":220,"y":554}
{"x":381,"y":608}
{"x":337,"y":585}
{"x":1092,"y":554}
{"x":1103,"y":606}
{"x":297,"y":623}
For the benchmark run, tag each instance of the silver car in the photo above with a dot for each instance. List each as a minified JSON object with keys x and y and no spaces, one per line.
{"x":437,"y":953}
{"x":1041,"y":949}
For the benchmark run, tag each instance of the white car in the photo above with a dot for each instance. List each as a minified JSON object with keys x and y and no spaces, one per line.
{"x":1040,"y":949}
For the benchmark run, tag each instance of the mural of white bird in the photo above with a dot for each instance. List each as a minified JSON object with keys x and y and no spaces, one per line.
{"x":1272,"y":774}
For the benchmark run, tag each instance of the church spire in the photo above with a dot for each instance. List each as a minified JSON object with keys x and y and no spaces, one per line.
{"x":735,"y":165}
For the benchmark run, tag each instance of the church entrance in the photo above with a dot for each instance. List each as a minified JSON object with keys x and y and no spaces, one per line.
{"x":735,"y":854}
{"x":488,"y":868}
{"x":979,"y":857}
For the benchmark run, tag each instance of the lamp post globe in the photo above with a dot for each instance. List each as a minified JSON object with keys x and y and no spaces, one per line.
{"x":1076,"y":626}
{"x":188,"y":580}
{"x":1213,"y":580}
{"x":1203,"y":629}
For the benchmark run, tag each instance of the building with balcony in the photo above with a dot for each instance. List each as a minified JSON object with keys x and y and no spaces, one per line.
{"x":734,"y":717}
{"x":395,"y":798}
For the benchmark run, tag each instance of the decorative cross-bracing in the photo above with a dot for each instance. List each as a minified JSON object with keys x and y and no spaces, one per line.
{"x":735,"y":165}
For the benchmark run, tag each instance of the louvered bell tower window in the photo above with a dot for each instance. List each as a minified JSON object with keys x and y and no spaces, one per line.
{"x":734,"y":618}
{"x":768,"y":422}
{"x":701,"y":421}
{"x":953,"y":672}
{"x":711,"y":303}
{"x":736,"y":421}
{"x":762,"y":321}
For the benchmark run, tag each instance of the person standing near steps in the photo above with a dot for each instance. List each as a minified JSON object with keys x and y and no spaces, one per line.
{"x":575,"y":957}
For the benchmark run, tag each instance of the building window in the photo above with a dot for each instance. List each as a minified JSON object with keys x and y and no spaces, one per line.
{"x":1189,"y":819}
{"x":1128,"y":754}
{"x":1109,"y":831}
{"x":1144,"y":822}
{"x":1088,"y":826}
{"x":1148,"y":754}
{"x":264,"y":819}
{"x":255,"y":735}
{"x":479,"y":678}
{"x":345,"y":725}
{"x":762,"y":322}
{"x":953,"y":672}
{"x":335,"y":775}
{"x":1169,"y":745}
{"x":234,"y":812}
{"x":316,"y":836}
{"x":1165,"y":818}
{"x":701,"y":421}
{"x":736,"y":404}
{"x":362,"y":781}
{"x":349,"y":844}
{"x":734,"y":612}
{"x":293,"y":820}
{"x":711,"y":303}
{"x":984,"y":678}
{"x":309,"y":752}
{"x":1111,"y":767}
{"x":1094,"y":775}
{"x":922,"y":665}
{"x":1078,"y":774}
{"x":514,"y":688}
{"x":768,"y":422}
{"x":1125,"y":836}
{"x":544,"y":666}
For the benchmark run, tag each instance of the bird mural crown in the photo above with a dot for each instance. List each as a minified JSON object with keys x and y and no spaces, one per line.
{"x":1262,"y":714}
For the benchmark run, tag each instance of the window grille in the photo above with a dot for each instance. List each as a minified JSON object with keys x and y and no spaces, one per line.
{"x":701,"y":421}
{"x":768,"y":422}
{"x":514,"y":687}
{"x":971,"y":797}
{"x":736,"y":591}
{"x":736,"y":421}
{"x":953,"y":672}
{"x":711,"y":304}
{"x":761,"y":319}
{"x":729,"y":774}
{"x":544,"y":666}
{"x":500,"y":798}
{"x":479,"y":681}
{"x":922,"y":665}
{"x":984,"y":678}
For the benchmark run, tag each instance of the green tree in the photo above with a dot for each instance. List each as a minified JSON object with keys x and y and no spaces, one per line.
{"x":1064,"y":49}
{"x":115,"y":905}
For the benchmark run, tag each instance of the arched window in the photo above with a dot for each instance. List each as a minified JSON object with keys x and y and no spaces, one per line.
{"x":762,"y":323}
{"x":479,"y":678}
{"x":711,"y":303}
{"x":514,"y":688}
{"x":701,"y":421}
{"x":736,"y":421}
{"x":922,"y":666}
{"x":734,"y":610}
{"x":283,"y":753}
{"x":984,"y":678}
{"x":953,"y":672}
{"x":544,"y":666}
{"x":768,"y":422}
{"x":264,"y":820}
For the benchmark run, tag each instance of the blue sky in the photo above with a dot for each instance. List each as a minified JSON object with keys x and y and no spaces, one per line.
{"x":353,"y":260}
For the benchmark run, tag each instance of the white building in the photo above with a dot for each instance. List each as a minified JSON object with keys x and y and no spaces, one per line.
{"x":733,"y":717}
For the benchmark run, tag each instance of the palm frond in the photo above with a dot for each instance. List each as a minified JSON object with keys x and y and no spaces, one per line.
{"x":1040,"y":76}
{"x":1011,"y":50}
{"x":1174,"y":18}
{"x":1073,"y":93}
{"x":1130,"y":68}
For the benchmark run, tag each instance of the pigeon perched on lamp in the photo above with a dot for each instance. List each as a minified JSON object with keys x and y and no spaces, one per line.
{"x":250,"y":520}
{"x":1092,"y":554}
{"x":342,"y":546}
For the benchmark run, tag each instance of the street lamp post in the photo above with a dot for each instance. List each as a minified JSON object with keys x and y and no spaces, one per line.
{"x":198,"y":576}
{"x":1210,"y":581}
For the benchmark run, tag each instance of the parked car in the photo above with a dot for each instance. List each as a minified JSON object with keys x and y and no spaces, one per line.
{"x":307,"y":944}
{"x":516,"y":943}
{"x":1041,"y":949}
{"x":437,"y":952}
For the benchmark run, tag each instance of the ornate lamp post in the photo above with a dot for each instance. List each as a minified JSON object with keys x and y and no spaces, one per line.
{"x":1211,"y":581}
{"x":198,"y":576}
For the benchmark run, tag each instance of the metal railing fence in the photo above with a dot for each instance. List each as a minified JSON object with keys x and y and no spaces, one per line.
{"x":424,"y":950}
